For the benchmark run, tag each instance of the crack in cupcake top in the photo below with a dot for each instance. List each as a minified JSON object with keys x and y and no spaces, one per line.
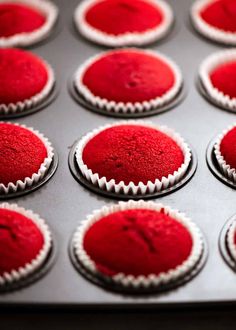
{"x":129,"y":76}
{"x":137,"y":242}
{"x":132,"y":153}
{"x":16,"y":18}
{"x":220,"y":14}
{"x":22,"y":75}
{"x":117,"y":17}
{"x":20,"y":241}
{"x":21,"y":153}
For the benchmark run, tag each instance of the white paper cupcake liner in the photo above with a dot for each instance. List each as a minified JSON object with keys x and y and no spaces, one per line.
{"x":207,"y":66}
{"x":230,"y":240}
{"x":121,"y":107}
{"x":130,"y":281}
{"x":229,"y":173}
{"x":37,"y":262}
{"x":126,"y":39}
{"x":131,"y":188}
{"x":46,"y":7}
{"x":208,"y":30}
{"x":36,"y":177}
{"x":18,"y":107}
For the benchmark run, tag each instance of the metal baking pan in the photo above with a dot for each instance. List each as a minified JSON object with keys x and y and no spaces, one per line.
{"x":63,"y":202}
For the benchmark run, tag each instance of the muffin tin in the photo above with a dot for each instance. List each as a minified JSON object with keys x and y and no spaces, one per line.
{"x":63,"y":202}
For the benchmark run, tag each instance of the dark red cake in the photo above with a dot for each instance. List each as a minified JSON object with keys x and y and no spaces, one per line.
{"x":223,"y":77}
{"x":228,"y":148}
{"x":20,"y":240}
{"x":132,"y":153}
{"x":137,"y":242}
{"x":220,"y":14}
{"x":21,"y":153}
{"x":129,"y":76}
{"x":117,"y":17}
{"x":18,"y":18}
{"x":22,"y":75}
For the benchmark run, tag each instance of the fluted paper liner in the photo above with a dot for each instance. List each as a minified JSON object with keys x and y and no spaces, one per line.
{"x":230,"y":240}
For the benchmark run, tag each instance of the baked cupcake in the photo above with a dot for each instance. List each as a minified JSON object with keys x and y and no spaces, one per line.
{"x":225,"y":152}
{"x":25,"y":243}
{"x":218,"y":77}
{"x":215,"y":19}
{"x":128,"y":80}
{"x":133,"y":157}
{"x":231,"y":240}
{"x":25,"y":157}
{"x":138,"y":245}
{"x":117,"y":23}
{"x":25,"y":22}
{"x":25,"y":80}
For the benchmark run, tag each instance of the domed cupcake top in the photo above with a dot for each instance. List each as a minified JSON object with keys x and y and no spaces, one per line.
{"x":25,"y":242}
{"x":138,"y":244}
{"x":228,"y":147}
{"x":216,"y":19}
{"x":123,"y":22}
{"x":132,"y":153}
{"x":133,"y":157}
{"x":129,"y":79}
{"x":25,"y":156}
{"x":25,"y":22}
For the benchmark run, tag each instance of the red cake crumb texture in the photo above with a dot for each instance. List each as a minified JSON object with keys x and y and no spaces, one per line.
{"x":22,"y":75}
{"x":223,"y":77}
{"x":21,"y":153}
{"x":132,"y":153}
{"x":117,"y":17}
{"x":228,"y":148}
{"x":220,"y":14}
{"x":129,"y":76}
{"x":18,"y":18}
{"x":137,"y":242}
{"x":20,"y":240}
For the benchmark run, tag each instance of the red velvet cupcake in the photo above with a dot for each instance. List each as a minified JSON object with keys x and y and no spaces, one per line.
{"x":25,"y":22}
{"x":218,"y":76}
{"x":25,"y":157}
{"x":216,"y":19}
{"x":128,"y":80}
{"x":225,"y":152}
{"x":119,"y":23}
{"x":133,"y":157}
{"x":25,"y":242}
{"x":35,"y":80}
{"x":138,"y":244}
{"x":231,"y":240}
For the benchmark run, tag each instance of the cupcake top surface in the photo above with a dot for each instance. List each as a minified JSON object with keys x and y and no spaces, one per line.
{"x":132,"y":153}
{"x":220,"y":14}
{"x":223,"y":77}
{"x":20,"y":240}
{"x":137,"y":242}
{"x":228,"y":148}
{"x":21,"y":153}
{"x":129,"y":76}
{"x":117,"y":17}
{"x":16,"y":18}
{"x":22,"y":75}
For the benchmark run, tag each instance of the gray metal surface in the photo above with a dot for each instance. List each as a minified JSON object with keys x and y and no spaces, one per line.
{"x":63,"y":202}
